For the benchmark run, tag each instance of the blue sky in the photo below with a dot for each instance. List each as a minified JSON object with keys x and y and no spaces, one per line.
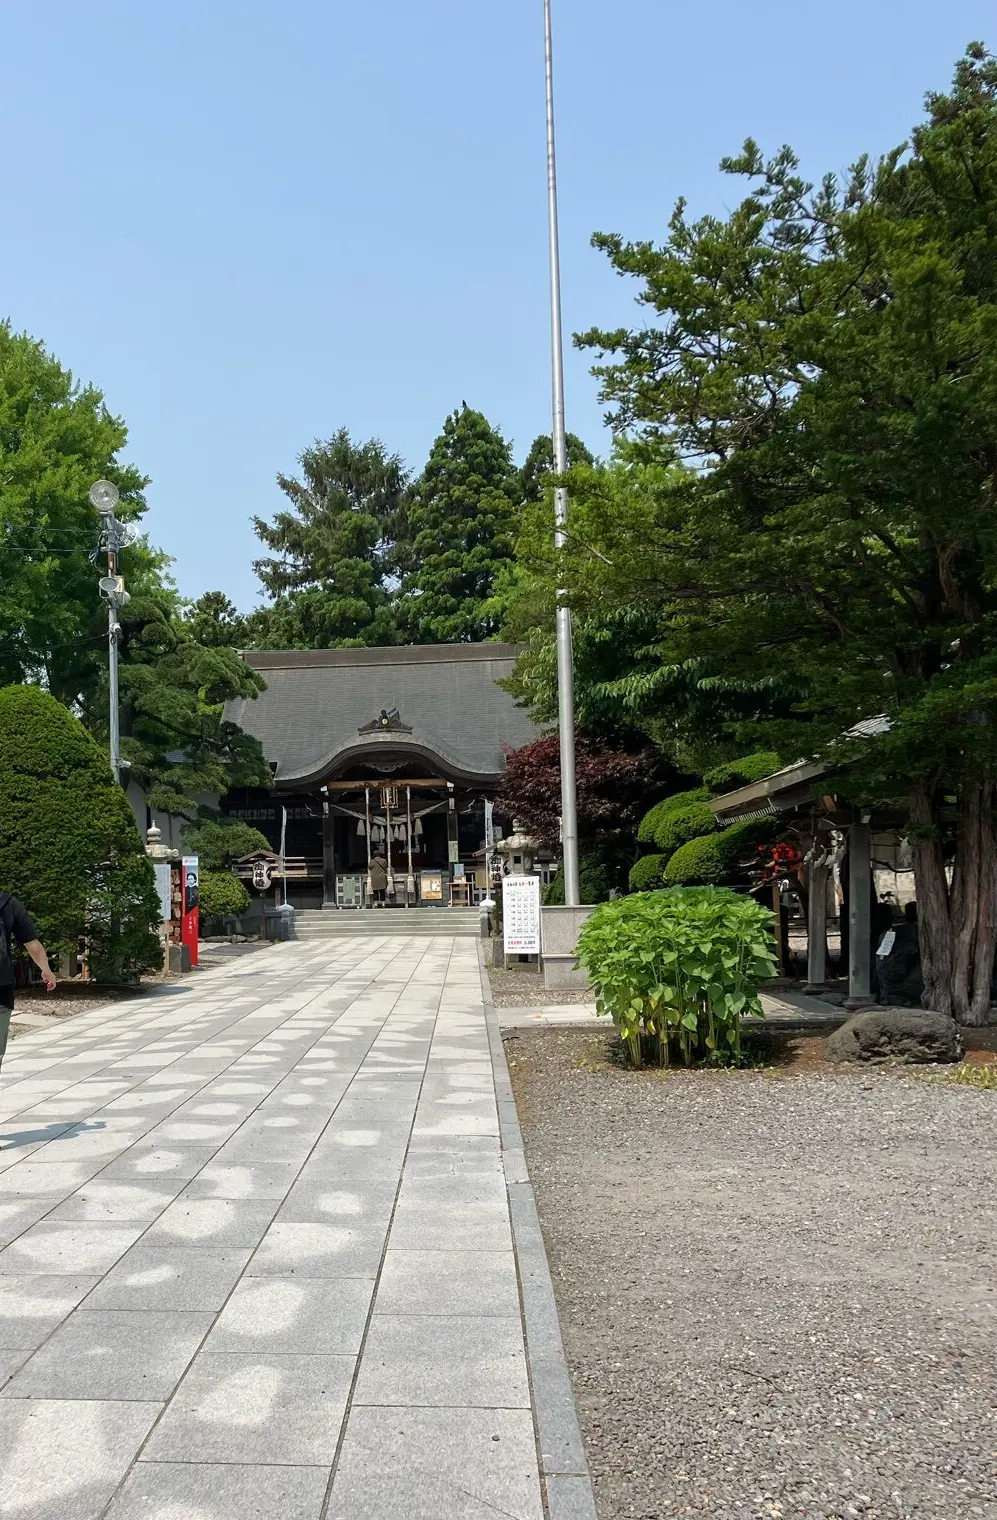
{"x":251,"y":224}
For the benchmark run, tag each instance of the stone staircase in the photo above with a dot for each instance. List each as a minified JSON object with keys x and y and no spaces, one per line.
{"x":333,"y":923}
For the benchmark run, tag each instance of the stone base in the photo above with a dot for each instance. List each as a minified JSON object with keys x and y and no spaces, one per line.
{"x":563,"y":971}
{"x":559,"y":929}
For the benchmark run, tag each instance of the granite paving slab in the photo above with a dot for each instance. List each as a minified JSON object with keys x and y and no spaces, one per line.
{"x":256,"y":1255}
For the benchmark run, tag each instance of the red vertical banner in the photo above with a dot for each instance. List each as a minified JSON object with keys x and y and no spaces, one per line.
{"x":189,"y":930}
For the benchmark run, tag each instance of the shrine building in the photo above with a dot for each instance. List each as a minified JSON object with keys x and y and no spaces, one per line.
{"x":391,"y":752}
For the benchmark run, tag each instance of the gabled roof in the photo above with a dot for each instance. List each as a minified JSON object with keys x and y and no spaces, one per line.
{"x":321,"y":711}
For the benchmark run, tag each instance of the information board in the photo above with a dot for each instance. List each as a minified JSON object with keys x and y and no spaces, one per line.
{"x":431,"y":886}
{"x":521,"y":915}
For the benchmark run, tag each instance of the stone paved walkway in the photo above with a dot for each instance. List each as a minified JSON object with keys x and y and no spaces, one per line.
{"x":256,"y":1251}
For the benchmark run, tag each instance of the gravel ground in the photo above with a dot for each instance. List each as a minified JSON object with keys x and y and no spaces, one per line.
{"x":63,"y":1004}
{"x":525,"y":989}
{"x":776,"y":1287}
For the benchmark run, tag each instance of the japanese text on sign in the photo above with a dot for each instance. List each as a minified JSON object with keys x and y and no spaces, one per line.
{"x":521,"y":915}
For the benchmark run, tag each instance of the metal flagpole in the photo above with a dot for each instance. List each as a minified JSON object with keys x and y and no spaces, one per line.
{"x":565,"y":662}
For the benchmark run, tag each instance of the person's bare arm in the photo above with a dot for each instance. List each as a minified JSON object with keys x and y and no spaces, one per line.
{"x":36,"y":950}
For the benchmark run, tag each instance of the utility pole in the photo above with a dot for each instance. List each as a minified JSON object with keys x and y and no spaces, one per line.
{"x":565,"y":657}
{"x":104,"y":497}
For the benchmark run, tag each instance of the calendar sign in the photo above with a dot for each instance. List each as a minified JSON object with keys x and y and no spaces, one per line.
{"x":521,"y":915}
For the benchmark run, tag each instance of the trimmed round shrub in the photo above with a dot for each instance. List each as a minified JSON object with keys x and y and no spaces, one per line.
{"x":735,"y":773}
{"x":220,"y":895}
{"x":672,"y":822}
{"x":647,"y":875}
{"x":677,"y":971}
{"x":70,"y":848}
{"x":714,"y":858}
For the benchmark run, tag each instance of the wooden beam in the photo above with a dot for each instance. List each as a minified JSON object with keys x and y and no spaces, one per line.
{"x":358,"y":786}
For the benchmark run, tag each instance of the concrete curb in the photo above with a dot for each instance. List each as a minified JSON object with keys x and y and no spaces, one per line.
{"x":568,"y":1493}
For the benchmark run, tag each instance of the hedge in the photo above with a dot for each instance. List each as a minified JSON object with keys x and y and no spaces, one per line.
{"x":648,"y":873}
{"x":70,"y":848}
{"x":735,"y":773}
{"x":712,"y":858}
{"x":672,"y":822}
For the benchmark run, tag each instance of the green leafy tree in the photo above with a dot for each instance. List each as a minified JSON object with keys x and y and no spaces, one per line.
{"x":173,"y":689}
{"x":335,"y":549}
{"x":56,"y":439}
{"x":630,"y":674}
{"x":826,"y":357}
{"x":461,"y":525}
{"x":69,"y":845}
{"x":217,"y":841}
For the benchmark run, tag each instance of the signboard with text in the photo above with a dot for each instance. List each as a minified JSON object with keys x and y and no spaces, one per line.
{"x":521,"y":915}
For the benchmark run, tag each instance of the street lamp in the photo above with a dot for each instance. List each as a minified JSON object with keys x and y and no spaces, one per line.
{"x":104,"y":497}
{"x":565,"y":659}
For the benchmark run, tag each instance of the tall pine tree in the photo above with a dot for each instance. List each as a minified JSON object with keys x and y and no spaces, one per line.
{"x":461,"y":524}
{"x":331,"y":570}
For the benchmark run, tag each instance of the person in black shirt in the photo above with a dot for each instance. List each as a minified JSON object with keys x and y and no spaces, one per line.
{"x":15,"y":924}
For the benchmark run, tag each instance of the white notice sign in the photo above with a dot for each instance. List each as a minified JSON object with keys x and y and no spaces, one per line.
{"x":521,"y":915}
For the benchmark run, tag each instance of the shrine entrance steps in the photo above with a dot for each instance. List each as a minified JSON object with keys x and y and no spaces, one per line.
{"x":339,"y":923}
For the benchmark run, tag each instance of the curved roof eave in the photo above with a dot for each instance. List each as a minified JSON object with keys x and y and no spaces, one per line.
{"x":356,"y":753}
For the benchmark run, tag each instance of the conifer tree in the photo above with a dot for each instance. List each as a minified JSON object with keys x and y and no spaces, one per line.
{"x":331,"y":571}
{"x":461,"y":527}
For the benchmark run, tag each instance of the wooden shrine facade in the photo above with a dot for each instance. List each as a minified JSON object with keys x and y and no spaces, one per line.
{"x":387,"y":752}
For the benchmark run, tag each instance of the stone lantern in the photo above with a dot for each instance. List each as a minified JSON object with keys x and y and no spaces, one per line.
{"x":163,"y":858}
{"x":518,"y":852}
{"x":156,"y":850}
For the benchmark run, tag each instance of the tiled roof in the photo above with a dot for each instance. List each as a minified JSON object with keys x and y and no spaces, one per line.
{"x":317,"y":701}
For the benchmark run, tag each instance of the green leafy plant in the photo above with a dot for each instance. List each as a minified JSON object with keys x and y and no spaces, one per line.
{"x":647,"y":874}
{"x":968,"y":1075}
{"x":217,"y":841}
{"x":220,"y":896}
{"x":678,"y":970}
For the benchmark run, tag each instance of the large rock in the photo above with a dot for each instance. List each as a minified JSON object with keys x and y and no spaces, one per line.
{"x":895,"y":1034}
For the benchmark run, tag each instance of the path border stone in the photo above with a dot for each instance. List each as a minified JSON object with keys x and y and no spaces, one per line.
{"x":564,"y":1474}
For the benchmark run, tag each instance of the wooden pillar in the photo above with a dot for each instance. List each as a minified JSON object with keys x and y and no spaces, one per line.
{"x":859,"y":916}
{"x":328,"y":858}
{"x":816,"y":926}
